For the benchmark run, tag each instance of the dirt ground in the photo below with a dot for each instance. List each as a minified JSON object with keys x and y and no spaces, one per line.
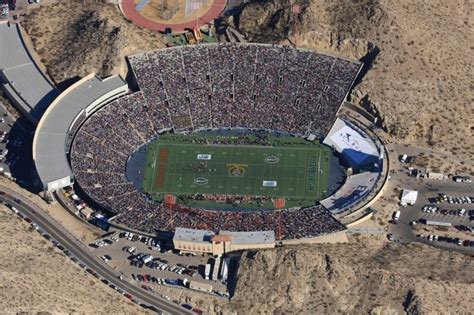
{"x":74,"y":39}
{"x":35,"y":277}
{"x":174,"y":12}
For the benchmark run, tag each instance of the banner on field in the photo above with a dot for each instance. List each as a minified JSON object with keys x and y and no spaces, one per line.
{"x":204,"y":157}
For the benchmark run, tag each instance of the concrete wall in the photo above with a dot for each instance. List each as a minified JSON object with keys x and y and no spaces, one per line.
{"x":199,"y":247}
{"x":360,"y":220}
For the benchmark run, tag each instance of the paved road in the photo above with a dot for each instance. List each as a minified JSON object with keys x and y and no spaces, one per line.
{"x":82,"y":253}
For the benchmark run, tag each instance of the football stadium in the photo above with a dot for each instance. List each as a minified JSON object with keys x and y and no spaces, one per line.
{"x":235,"y":137}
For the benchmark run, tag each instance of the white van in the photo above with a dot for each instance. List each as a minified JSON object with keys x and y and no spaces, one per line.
{"x":396,"y":216}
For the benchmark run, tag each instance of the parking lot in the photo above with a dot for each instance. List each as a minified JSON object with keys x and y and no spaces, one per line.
{"x":153,"y":266}
{"x":444,"y":219}
{"x":452,"y":208}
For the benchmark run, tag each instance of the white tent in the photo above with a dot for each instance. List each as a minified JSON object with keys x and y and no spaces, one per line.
{"x":409,"y":197}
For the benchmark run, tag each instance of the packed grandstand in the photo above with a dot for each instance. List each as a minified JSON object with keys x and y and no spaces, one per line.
{"x":216,"y":86}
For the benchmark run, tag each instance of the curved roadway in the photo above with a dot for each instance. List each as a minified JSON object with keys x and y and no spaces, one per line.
{"x":82,"y":253}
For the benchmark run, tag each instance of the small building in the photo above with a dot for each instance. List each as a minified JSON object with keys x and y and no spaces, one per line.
{"x":203,"y":241}
{"x":409,"y":197}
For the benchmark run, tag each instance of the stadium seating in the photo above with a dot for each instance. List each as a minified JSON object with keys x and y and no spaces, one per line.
{"x":190,"y":88}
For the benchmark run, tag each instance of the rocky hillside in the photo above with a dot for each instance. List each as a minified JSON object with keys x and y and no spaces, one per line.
{"x":420,"y":83}
{"x":92,"y":38}
{"x":356,"y":278}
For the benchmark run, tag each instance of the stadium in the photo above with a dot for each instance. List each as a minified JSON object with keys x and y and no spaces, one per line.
{"x":218,"y":137}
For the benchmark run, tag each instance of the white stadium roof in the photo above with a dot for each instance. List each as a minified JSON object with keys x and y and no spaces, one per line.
{"x":50,"y":145}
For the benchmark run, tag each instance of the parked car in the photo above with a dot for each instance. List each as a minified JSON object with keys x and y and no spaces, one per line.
{"x":187,"y":306}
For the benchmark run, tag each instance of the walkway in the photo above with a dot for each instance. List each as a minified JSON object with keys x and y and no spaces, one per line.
{"x":368,"y":230}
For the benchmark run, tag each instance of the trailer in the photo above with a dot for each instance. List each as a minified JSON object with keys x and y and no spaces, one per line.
{"x":207,"y":271}
{"x":436,"y":223}
{"x":215,"y":270}
{"x":200,"y":286}
{"x":225,"y":269}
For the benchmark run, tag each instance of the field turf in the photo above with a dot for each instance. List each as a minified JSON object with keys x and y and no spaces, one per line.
{"x":300,"y":171}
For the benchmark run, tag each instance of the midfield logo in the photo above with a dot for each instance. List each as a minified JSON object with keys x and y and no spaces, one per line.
{"x":236,"y":169}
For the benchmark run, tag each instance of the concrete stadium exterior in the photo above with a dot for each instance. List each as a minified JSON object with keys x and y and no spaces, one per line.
{"x":56,"y":128}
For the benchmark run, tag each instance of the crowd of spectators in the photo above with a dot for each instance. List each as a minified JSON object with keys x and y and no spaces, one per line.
{"x":245,"y":85}
{"x":286,"y":223}
{"x":210,"y":86}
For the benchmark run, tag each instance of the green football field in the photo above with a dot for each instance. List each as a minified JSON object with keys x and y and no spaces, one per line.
{"x":182,"y":168}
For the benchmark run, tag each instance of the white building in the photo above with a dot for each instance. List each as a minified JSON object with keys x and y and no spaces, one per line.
{"x":409,"y":197}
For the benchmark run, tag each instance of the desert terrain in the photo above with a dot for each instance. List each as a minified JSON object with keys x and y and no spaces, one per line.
{"x":35,"y":277}
{"x":73,"y":39}
{"x":366,"y":276}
